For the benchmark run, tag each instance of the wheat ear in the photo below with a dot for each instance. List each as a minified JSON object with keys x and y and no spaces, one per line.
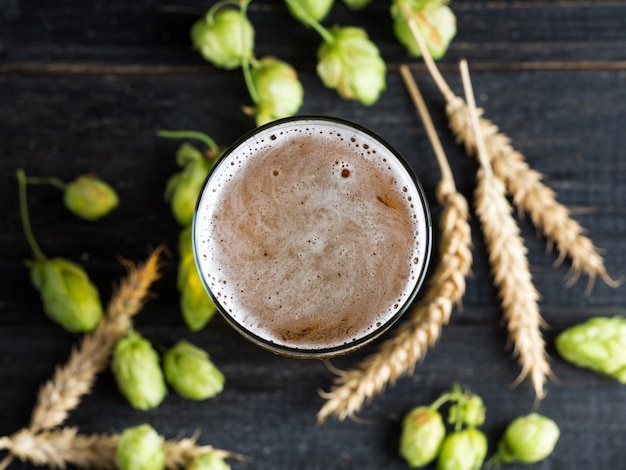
{"x":523,"y":183}
{"x":62,"y":393}
{"x":62,"y":447}
{"x":398,"y":355}
{"x":507,"y":257}
{"x":533,"y":197}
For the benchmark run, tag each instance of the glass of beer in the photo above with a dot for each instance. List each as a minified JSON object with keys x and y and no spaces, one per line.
{"x":312,"y":235}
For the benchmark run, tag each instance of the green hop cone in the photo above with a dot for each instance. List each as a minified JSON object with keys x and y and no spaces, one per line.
{"x":302,"y":10}
{"x":474,"y":411}
{"x":89,"y":197}
{"x":423,"y":432}
{"x":140,"y":448}
{"x":191,"y":373}
{"x":528,"y":439}
{"x":466,"y":409}
{"x":352,"y":65}
{"x":225,"y":38}
{"x":69,"y":297}
{"x":135,"y":366}
{"x":182,"y":188}
{"x":463,"y":450}
{"x":279,"y":90}
{"x":434,"y":20}
{"x":598,"y":344}
{"x":469,"y":410}
{"x":209,"y":461}
{"x":357,"y":4}
{"x":195,"y":304}
{"x":187,"y":263}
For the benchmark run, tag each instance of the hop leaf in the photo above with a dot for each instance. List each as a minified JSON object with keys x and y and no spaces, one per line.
{"x":352,"y":65}
{"x":69,"y":297}
{"x":598,"y":344}
{"x":191,"y":373}
{"x":224,"y":38}
{"x":183,"y":188}
{"x":89,"y":197}
{"x":434,"y":20}
{"x":136,"y":369}
{"x":528,"y":439}
{"x":423,"y":432}
{"x":463,"y":450}
{"x":140,"y":448}
{"x":195,"y":304}
{"x":302,"y":10}
{"x":209,"y":461}
{"x":280,"y":92}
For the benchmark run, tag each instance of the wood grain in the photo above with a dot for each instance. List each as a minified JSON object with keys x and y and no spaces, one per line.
{"x":85,"y":85}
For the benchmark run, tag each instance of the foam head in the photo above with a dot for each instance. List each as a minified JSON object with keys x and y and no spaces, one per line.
{"x":312,"y":236}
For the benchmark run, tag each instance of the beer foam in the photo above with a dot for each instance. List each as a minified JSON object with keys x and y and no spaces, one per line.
{"x":311,"y":236}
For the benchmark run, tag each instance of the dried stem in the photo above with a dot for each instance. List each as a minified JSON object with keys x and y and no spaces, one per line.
{"x":6,"y":461}
{"x":62,"y":393}
{"x":398,"y":355}
{"x":418,"y":101}
{"x":428,"y":60}
{"x":509,"y":264}
{"x":63,"y":447}
{"x":523,"y":183}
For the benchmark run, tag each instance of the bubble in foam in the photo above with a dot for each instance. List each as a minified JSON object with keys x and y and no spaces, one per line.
{"x":286,"y":218}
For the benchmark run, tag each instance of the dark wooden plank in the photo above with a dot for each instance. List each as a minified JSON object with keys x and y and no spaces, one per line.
{"x":156,"y":33}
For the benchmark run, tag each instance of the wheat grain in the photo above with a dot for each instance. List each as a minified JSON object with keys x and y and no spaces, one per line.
{"x":62,"y":393}
{"x":508,"y":261}
{"x":179,"y":454}
{"x":524,"y":184}
{"x":58,"y":448}
{"x":398,"y":355}
{"x":62,"y":447}
{"x":509,"y":266}
{"x":533,"y":197}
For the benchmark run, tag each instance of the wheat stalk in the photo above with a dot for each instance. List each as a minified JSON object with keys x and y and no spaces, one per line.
{"x":179,"y":454}
{"x":523,"y":183}
{"x":398,"y":355}
{"x":62,"y":393}
{"x":533,"y":197}
{"x":58,"y":448}
{"x":507,"y":257}
{"x":65,"y":446}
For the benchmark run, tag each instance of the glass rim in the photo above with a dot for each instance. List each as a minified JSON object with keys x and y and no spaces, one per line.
{"x":328,"y":352}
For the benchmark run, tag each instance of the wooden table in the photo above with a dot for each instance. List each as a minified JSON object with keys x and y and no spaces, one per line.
{"x":85,"y":85}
